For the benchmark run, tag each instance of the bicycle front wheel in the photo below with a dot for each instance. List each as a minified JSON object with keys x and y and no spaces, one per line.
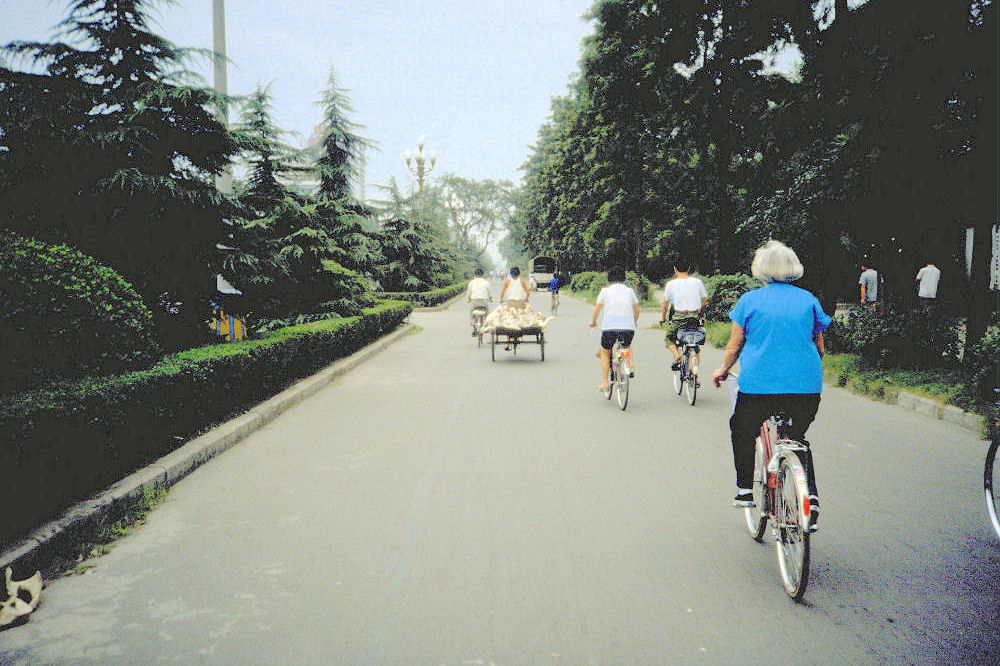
{"x":611,"y":383}
{"x":679,"y":378}
{"x":991,"y":481}
{"x":621,"y":387}
{"x":756,"y":515}
{"x":792,"y":515}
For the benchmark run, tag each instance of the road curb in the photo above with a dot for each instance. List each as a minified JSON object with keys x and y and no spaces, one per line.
{"x":177,"y":464}
{"x":939,"y":410}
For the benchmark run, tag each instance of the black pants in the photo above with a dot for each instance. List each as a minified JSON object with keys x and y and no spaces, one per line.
{"x":744,"y":425}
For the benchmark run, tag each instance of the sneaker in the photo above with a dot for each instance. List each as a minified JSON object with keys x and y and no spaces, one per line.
{"x":744,"y":498}
{"x":676,"y":365}
{"x":813,"y":513}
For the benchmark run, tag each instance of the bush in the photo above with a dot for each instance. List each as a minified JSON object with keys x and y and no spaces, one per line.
{"x":65,"y":315}
{"x":982,"y":371}
{"x":913,"y":339}
{"x":585,"y":281}
{"x":73,"y":440}
{"x":724,"y":291}
{"x":426,"y":298}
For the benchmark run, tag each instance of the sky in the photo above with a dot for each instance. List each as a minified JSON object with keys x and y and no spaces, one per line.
{"x":475,"y":78}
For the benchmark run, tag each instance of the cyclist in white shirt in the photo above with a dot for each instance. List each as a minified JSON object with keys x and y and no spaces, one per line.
{"x":479,"y":295}
{"x":688,"y":297}
{"x":621,"y":316}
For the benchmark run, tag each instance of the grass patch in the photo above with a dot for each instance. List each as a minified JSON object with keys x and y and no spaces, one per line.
{"x":718,"y":332}
{"x":73,"y":555}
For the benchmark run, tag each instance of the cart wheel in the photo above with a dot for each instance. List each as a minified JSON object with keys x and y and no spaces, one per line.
{"x":542,"y":347}
{"x":493,"y":346}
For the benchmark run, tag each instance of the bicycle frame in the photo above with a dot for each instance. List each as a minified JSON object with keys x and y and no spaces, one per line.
{"x":774,"y":453}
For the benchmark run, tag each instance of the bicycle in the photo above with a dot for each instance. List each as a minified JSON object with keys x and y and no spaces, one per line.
{"x":689,"y":341}
{"x":478,"y":317}
{"x":991,"y":473}
{"x":555,"y":302}
{"x":781,"y":497}
{"x":621,"y":372}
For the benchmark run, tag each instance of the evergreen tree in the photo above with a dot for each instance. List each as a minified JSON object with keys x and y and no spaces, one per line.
{"x":113,"y":152}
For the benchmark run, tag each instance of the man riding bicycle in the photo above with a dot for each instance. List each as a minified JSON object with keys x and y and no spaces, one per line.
{"x":686,"y":297}
{"x":554,"y":289}
{"x":621,"y":316}
{"x":480,"y":296}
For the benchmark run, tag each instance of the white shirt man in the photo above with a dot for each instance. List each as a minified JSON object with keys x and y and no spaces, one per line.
{"x":479,"y":295}
{"x":688,"y":296}
{"x":928,"y":277}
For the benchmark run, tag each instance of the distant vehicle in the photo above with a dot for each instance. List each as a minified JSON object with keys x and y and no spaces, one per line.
{"x":544,"y":269}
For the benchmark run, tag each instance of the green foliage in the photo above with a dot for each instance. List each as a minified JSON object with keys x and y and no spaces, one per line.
{"x":588,"y":283}
{"x":341,"y":148}
{"x":105,"y":147}
{"x":426,"y":298}
{"x":66,"y":315}
{"x":982,"y":371}
{"x":718,"y":332}
{"x":910,"y":339}
{"x":68,"y":441}
{"x":724,"y":291}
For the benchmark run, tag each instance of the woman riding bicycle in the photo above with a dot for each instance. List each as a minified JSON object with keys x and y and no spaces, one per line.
{"x":621,"y":315}
{"x":778,"y":335}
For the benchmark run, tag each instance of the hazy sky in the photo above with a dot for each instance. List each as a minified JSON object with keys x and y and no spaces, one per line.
{"x":475,"y":77}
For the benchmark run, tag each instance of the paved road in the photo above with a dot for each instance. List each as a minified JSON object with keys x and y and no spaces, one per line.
{"x":434,"y":507}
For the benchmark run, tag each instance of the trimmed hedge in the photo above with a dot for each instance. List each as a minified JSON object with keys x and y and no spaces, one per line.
{"x":68,"y":442}
{"x":65,"y":316}
{"x":426,"y":298}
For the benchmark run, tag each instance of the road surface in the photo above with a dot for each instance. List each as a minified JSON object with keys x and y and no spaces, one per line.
{"x":435,"y":507}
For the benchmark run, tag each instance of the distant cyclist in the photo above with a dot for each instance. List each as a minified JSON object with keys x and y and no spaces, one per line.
{"x":684,"y":297}
{"x":777,"y":334}
{"x":554,"y":290}
{"x":479,"y":295}
{"x":621,"y":316}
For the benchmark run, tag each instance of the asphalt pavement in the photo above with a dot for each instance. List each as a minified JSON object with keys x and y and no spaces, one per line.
{"x":433,"y":506}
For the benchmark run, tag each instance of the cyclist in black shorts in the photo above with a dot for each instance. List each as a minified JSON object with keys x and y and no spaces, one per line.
{"x":621,"y":316}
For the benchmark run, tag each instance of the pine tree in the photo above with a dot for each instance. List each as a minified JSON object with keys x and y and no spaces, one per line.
{"x":129,"y":151}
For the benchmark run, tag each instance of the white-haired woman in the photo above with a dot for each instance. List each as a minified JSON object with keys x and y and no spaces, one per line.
{"x":778,"y":336}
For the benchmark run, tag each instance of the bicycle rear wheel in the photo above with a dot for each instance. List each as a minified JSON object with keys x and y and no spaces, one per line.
{"x":690,"y":379}
{"x":792,"y":515}
{"x":991,"y":481}
{"x":756,"y":515}
{"x":621,"y":387}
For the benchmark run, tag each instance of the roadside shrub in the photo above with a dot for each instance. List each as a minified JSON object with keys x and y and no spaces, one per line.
{"x":724,"y":291}
{"x":583,"y":281}
{"x":71,"y":440}
{"x":982,"y":371}
{"x":66,"y":315}
{"x":912,"y":339}
{"x":426,"y":298}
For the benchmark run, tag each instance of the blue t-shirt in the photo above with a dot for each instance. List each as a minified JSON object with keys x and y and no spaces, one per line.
{"x":779,"y":356}
{"x":554,"y":284}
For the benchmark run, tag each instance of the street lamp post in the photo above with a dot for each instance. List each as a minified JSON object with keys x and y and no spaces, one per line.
{"x":420,"y":163}
{"x":455,"y":206}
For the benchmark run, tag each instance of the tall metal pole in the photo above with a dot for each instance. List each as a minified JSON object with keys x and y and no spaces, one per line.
{"x":224,"y":181}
